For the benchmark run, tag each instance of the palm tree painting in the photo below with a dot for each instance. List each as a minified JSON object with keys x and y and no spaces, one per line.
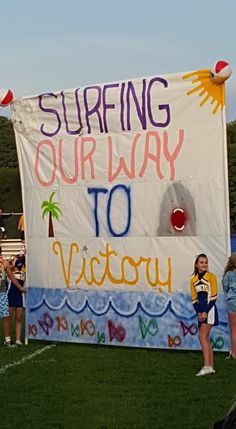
{"x":50,"y":208}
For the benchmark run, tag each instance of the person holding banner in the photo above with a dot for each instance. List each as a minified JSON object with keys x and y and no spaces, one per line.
{"x":204,"y":288}
{"x":21,"y":227}
{"x":5,"y":271}
{"x":16,"y":296}
{"x":229,"y":287}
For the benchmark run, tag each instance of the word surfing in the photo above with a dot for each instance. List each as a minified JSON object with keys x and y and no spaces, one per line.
{"x":131,"y":271}
{"x":129,"y":102}
{"x":148,"y":151}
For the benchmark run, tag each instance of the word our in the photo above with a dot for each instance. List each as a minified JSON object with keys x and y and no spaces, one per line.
{"x":155,"y":155}
{"x":127,"y":101}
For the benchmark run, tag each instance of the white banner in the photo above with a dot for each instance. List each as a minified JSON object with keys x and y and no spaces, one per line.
{"x":124,"y":183}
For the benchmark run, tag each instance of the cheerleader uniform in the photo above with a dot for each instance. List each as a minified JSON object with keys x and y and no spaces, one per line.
{"x":15,"y":296}
{"x":204,"y":294}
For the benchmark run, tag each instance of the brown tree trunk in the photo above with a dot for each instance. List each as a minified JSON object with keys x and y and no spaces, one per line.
{"x":50,"y":226}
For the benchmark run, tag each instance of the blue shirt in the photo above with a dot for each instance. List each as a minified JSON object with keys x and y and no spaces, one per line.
{"x":229,"y":285}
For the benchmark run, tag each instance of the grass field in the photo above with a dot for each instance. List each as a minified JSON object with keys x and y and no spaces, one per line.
{"x":81,"y":386}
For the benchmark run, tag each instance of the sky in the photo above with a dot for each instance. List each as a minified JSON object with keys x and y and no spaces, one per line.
{"x":50,"y":45}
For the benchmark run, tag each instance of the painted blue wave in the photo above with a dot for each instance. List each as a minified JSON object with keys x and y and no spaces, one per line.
{"x":169,"y":306}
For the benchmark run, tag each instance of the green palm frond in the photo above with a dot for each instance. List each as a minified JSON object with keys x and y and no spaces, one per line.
{"x":51,"y":207}
{"x":46,"y":211}
{"x":54,"y":214}
{"x":51,"y":196}
{"x":55,"y":204}
{"x":44,"y":204}
{"x":57,"y":209}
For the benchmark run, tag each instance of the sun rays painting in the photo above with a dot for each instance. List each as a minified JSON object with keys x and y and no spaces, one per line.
{"x":207,"y":89}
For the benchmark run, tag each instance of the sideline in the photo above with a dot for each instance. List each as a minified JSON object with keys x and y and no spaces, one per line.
{"x":4,"y":368}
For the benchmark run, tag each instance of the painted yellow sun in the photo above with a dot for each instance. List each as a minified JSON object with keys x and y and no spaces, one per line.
{"x":207,"y":88}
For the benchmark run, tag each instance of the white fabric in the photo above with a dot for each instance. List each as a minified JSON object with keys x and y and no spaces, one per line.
{"x":182,"y":164}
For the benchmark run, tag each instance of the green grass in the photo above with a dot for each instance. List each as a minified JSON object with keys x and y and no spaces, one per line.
{"x":82,"y":386}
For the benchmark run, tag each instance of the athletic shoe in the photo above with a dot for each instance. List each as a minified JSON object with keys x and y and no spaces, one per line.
{"x":205,"y":370}
{"x":230,"y":357}
{"x":18,"y":343}
{"x":9,"y":345}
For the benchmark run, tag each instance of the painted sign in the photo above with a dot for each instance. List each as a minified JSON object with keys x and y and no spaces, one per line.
{"x":124,"y":183}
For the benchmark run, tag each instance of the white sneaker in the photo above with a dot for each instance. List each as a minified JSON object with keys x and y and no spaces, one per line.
{"x":205,"y":370}
{"x":9,"y":344}
{"x":230,"y":356}
{"x":18,"y":343}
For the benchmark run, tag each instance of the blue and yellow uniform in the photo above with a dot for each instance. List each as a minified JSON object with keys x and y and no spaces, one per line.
{"x":204,"y":294}
{"x":15,"y":296}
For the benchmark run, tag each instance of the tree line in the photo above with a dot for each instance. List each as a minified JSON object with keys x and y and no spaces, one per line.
{"x":10,"y":195}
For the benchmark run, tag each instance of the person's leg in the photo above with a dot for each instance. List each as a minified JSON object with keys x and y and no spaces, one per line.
{"x":7,"y":334}
{"x":11,"y":311}
{"x":232,"y":325}
{"x":6,"y":317}
{"x":18,"y":320}
{"x":11,"y":316}
{"x":6,"y":327}
{"x":207,"y":351}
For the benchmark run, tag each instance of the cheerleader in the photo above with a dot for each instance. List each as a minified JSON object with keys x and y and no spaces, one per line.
{"x":204,"y":287}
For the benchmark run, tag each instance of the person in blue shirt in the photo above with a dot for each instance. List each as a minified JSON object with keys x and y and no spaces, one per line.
{"x":203,"y":285}
{"x":229,"y":286}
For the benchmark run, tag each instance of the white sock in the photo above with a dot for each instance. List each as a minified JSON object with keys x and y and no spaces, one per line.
{"x":7,"y":339}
